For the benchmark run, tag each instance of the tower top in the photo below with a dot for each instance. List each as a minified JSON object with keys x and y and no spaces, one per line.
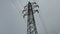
{"x":29,"y":2}
{"x":30,"y":6}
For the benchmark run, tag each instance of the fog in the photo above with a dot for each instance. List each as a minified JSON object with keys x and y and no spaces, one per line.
{"x":12,"y":21}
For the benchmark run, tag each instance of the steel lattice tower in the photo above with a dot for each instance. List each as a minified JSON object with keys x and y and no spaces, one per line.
{"x":31,"y":26}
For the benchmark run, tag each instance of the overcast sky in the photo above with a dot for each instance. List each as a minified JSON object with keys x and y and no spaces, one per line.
{"x":47,"y":20}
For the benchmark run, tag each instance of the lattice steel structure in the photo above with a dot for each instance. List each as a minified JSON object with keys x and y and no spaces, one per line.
{"x":31,"y":26}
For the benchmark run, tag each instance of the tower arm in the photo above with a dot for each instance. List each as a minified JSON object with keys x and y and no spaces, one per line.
{"x":35,"y":6}
{"x":33,"y":3}
{"x":25,"y":6}
{"x":25,"y":14}
{"x":35,"y":11}
{"x":24,"y":10}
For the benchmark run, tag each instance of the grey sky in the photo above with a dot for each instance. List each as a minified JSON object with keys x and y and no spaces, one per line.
{"x":12,"y":22}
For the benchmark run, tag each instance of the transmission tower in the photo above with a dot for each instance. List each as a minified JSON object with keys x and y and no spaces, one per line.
{"x":29,"y":12}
